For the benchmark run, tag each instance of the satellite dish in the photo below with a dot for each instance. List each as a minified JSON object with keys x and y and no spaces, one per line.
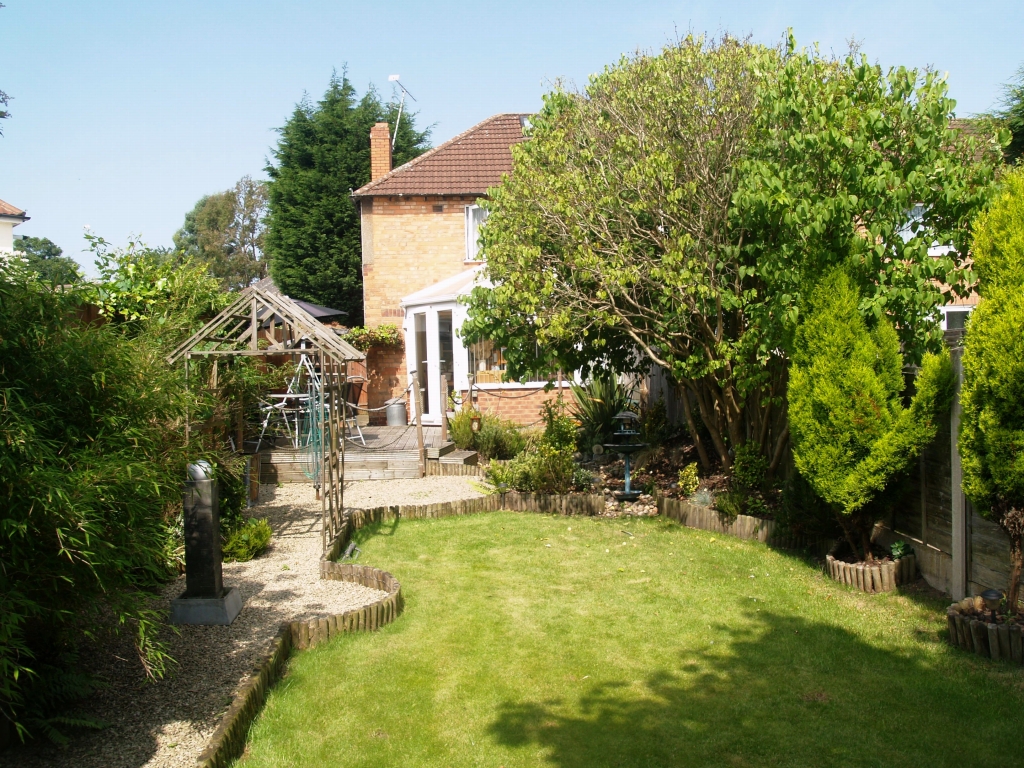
{"x":393,"y":78}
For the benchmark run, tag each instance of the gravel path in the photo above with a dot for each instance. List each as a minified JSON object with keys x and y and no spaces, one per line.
{"x":424,"y":490}
{"x":167,"y":723}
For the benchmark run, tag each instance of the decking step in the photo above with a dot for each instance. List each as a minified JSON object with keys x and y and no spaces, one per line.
{"x":461,"y":457}
{"x":438,"y":452}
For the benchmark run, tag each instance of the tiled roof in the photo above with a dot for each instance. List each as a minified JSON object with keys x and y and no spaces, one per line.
{"x":6,"y":209}
{"x":471,"y":163}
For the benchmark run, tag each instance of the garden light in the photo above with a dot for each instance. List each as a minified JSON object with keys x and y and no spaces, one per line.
{"x":992,"y":598}
{"x":475,"y":423}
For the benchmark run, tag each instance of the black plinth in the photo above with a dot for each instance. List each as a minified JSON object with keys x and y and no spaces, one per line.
{"x":202,"y":541}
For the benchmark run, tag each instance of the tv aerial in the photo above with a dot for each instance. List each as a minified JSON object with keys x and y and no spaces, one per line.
{"x":405,"y":92}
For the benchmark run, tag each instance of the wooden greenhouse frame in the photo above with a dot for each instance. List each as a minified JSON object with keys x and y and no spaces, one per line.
{"x":265,"y":324}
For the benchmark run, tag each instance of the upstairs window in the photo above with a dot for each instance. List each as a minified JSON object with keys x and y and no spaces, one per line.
{"x":475,"y":217}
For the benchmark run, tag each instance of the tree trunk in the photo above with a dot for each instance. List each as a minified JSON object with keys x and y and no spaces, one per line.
{"x":1013,"y":593}
{"x":848,"y":532}
{"x":1012,"y":523}
{"x":702,"y":452}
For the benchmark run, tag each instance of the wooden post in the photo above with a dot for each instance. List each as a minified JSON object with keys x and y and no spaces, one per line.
{"x":444,"y":410}
{"x":419,"y":422}
{"x":959,"y":576}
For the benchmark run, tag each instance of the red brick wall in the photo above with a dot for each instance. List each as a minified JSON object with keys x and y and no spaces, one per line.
{"x":387,"y":379}
{"x":409,"y":245}
{"x":523,"y":406}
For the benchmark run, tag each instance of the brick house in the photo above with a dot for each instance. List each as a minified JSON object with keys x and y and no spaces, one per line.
{"x":420,"y":225}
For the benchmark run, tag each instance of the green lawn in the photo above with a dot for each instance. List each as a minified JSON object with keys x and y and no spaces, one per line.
{"x":530,"y":640}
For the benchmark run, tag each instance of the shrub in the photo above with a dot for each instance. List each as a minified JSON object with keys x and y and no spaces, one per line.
{"x":654,"y":427}
{"x":547,"y":466}
{"x":991,"y":439}
{"x":89,"y":470}
{"x":852,"y":434}
{"x":385,"y":335}
{"x":689,"y":480}
{"x":595,"y":407}
{"x":246,"y":541}
{"x":497,"y":439}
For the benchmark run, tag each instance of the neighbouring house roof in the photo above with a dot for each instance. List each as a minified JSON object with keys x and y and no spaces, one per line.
{"x":268,"y":285}
{"x":448,"y":289}
{"x":9,"y":211}
{"x":469,"y":164}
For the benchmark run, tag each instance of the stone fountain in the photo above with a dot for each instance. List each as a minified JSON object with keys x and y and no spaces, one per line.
{"x":626,"y":446}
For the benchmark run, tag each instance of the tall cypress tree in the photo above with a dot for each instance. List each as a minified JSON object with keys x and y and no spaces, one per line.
{"x":313,"y":240}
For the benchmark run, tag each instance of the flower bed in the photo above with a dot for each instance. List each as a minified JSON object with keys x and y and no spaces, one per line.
{"x":972,"y":628}
{"x":874,"y":577}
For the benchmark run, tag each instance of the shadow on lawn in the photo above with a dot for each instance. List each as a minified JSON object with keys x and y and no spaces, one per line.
{"x":790,"y":693}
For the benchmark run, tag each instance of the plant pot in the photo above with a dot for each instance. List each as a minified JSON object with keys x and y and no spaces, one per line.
{"x":971,"y":628}
{"x":878,"y":576}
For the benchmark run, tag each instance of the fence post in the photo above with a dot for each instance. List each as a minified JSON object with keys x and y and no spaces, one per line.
{"x":419,"y":422}
{"x":959,"y":577}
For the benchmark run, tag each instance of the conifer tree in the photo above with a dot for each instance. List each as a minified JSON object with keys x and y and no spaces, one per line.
{"x":313,"y":239}
{"x":852,"y":434}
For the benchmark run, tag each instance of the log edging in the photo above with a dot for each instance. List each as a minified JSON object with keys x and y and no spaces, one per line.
{"x":874,"y":578}
{"x":228,"y":741}
{"x":999,"y":642}
{"x":740,"y":526}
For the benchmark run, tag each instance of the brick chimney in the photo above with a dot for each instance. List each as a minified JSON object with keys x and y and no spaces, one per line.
{"x":380,"y":151}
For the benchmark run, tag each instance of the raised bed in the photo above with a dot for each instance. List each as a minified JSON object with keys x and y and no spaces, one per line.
{"x":883,"y":576}
{"x":971,"y":628}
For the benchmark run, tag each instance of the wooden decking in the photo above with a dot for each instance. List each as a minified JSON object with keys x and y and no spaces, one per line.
{"x":396,"y":439}
{"x":389,"y":453}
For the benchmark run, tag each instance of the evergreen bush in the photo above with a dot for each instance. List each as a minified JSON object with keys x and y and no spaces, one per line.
{"x":991,"y":440}
{"x":852,"y":434}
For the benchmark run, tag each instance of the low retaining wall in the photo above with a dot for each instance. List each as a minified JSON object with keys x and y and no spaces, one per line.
{"x":456,"y":470}
{"x":968,"y":630}
{"x":879,"y":577}
{"x":741,"y":526}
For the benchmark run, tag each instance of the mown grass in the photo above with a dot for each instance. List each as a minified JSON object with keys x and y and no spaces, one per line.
{"x":530,"y":640}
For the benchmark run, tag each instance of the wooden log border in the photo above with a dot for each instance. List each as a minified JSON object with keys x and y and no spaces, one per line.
{"x":873,"y":579}
{"x":999,"y":642}
{"x":741,"y":526}
{"x":228,"y":741}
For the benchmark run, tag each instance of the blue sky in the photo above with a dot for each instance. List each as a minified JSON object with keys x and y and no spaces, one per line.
{"x":125,"y":113}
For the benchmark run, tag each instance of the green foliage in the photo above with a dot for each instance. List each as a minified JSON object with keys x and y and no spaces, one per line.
{"x":384,"y":335}
{"x":225,"y":230}
{"x":1012,"y":113}
{"x":546,"y":466}
{"x":851,"y":433}
{"x":684,"y":205}
{"x":313,"y":237}
{"x":689,"y":479}
{"x":45,"y":258}
{"x":560,"y":430}
{"x":142,"y":288}
{"x":595,"y":406}
{"x":90,"y":473}
{"x":749,"y":469}
{"x":497,"y":439}
{"x":654,"y":427}
{"x":900,"y":549}
{"x":246,"y":541}
{"x":991,"y":440}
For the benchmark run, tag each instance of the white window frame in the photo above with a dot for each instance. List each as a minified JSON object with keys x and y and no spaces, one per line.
{"x":473,"y":250}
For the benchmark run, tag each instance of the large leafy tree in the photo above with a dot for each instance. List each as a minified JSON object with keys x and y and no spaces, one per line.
{"x":313,"y":237}
{"x":45,"y":259}
{"x":852,"y":434}
{"x":991,"y":439}
{"x":226,"y":231}
{"x":680,"y":209}
{"x":1012,"y":113}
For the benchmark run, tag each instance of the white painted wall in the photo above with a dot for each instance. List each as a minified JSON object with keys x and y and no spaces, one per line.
{"x":7,"y":234}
